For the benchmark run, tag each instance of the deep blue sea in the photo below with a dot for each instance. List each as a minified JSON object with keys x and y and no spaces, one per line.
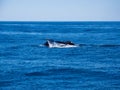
{"x":27,"y":65}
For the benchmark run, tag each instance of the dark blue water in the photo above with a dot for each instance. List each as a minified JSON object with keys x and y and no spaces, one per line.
{"x":26,"y":65}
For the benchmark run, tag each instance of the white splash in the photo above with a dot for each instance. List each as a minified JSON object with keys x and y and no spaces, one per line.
{"x":56,"y":45}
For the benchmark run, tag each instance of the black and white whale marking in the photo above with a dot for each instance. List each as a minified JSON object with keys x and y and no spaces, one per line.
{"x":59,"y":44}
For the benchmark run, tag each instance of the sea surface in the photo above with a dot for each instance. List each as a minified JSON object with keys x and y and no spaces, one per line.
{"x":25,"y":64}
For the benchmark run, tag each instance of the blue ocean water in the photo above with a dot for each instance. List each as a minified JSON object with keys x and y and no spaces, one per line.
{"x":26,"y":65}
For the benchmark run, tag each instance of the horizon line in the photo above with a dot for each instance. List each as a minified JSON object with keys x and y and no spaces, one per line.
{"x":59,"y":21}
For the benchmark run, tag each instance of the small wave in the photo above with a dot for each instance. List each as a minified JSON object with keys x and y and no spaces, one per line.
{"x":62,"y":73}
{"x":99,"y":45}
{"x":11,"y":24}
{"x":78,"y":46}
{"x":36,"y":74}
{"x":5,"y":83}
{"x":89,"y":45}
{"x":6,"y":54}
{"x":15,"y":47}
{"x":55,"y":71}
{"x":40,"y":33}
{"x":22,"y":46}
{"x":20,"y":33}
{"x":109,"y":45}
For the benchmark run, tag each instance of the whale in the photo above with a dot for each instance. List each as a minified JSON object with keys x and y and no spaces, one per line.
{"x":59,"y":44}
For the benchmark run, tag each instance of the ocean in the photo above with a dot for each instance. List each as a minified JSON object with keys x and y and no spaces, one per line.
{"x":25,"y":64}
